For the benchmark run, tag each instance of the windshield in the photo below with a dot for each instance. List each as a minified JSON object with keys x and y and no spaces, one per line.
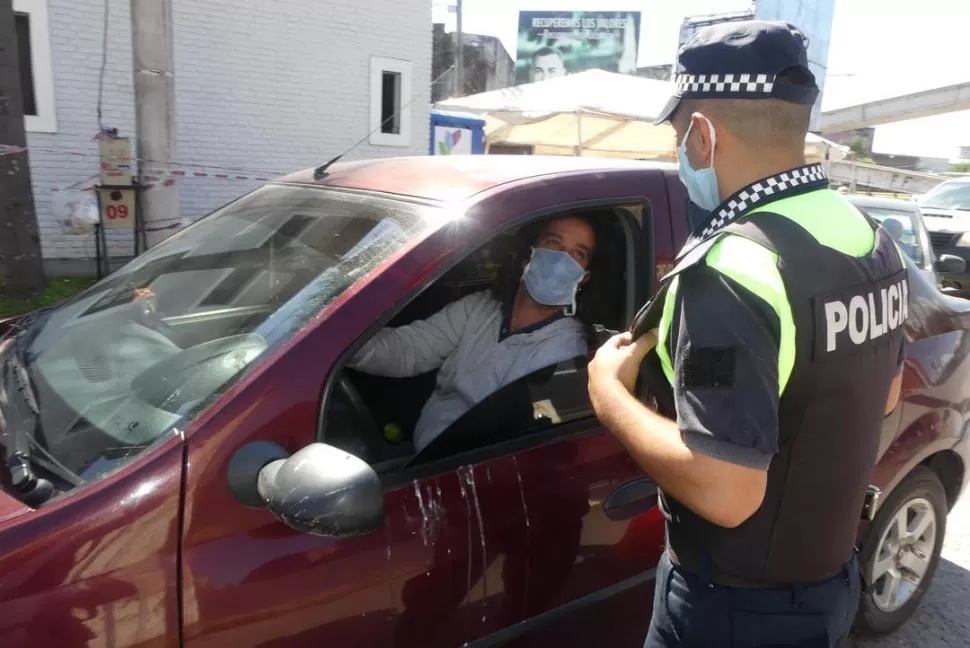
{"x":902,"y":227}
{"x":149,"y":347}
{"x":948,"y":195}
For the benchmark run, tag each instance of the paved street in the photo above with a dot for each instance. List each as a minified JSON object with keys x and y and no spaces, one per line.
{"x":944,"y":617}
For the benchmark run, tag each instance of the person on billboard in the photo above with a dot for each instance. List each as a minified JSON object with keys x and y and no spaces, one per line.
{"x":547,"y":63}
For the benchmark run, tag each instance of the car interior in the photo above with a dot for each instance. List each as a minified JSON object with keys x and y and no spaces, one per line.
{"x":373,"y":417}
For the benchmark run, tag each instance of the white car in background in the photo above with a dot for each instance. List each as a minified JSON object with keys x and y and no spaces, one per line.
{"x":946,"y":214}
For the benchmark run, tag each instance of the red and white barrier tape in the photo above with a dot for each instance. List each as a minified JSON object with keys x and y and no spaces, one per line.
{"x":157,"y":167}
{"x":160,"y":178}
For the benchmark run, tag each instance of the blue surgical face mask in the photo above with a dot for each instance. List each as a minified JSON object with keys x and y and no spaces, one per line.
{"x":552,"y":278}
{"x":701,"y":183}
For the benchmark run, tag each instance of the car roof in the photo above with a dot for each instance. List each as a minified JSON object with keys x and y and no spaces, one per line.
{"x":885,"y":203}
{"x":459,"y":177}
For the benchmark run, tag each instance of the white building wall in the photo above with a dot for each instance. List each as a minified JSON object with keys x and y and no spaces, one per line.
{"x":75,"y":33}
{"x":261,"y":85}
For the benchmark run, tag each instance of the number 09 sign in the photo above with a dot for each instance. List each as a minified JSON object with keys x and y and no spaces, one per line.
{"x":117,"y":208}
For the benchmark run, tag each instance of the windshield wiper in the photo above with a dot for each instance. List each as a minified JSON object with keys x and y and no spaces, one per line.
{"x":25,"y":324}
{"x":27,"y":449}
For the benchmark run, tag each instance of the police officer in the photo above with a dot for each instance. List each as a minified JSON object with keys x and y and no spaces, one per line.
{"x":770,"y":356}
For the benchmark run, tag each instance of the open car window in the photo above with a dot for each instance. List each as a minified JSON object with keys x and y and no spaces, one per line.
{"x":375,"y":416}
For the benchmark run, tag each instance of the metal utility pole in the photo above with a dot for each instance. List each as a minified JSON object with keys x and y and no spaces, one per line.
{"x":459,"y":54}
{"x":21,"y":263}
{"x":151,"y":36}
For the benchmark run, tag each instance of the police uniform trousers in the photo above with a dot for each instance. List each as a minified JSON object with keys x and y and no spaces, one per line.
{"x":690,"y":610}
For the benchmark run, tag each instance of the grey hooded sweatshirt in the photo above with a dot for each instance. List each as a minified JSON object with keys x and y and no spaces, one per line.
{"x":466,"y":340}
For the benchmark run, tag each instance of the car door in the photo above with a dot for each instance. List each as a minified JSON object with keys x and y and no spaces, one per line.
{"x":594,"y":538}
{"x":560,"y":532}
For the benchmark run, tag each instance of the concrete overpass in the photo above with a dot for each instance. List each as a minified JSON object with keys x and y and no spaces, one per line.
{"x":879,"y":177}
{"x":887,"y":111}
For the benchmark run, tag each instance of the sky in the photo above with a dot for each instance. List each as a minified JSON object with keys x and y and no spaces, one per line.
{"x":878,"y":49}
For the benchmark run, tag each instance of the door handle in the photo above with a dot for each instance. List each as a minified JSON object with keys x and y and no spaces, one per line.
{"x":630,"y":499}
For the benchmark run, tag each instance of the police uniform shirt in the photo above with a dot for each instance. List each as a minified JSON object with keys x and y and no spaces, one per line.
{"x":723,"y":341}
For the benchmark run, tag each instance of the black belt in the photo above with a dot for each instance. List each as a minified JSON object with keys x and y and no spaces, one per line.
{"x":716,"y":576}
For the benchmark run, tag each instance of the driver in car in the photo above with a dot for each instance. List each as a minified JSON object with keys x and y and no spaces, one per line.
{"x":491,"y":338}
{"x":896,"y":231}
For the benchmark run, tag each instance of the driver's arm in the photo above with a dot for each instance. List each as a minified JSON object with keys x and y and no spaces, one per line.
{"x":421,"y":346}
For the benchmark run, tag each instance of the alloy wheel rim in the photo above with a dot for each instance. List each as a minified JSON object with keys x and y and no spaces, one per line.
{"x":903,"y":555}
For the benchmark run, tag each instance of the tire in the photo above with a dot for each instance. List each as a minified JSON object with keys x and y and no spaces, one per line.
{"x":919,"y":497}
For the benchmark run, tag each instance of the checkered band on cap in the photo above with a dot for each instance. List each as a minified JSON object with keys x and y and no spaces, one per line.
{"x":715,"y":84}
{"x":751,"y":195}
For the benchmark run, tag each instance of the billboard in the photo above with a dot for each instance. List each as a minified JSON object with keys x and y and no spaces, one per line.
{"x":556,"y":43}
{"x":815,"y":21}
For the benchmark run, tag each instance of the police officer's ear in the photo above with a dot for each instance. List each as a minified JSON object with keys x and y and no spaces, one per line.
{"x":701,"y":140}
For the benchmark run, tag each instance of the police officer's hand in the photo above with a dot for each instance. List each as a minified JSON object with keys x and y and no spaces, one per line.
{"x":618,"y":361}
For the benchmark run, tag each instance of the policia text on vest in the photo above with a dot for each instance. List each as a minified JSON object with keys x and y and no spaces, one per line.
{"x":859,"y":316}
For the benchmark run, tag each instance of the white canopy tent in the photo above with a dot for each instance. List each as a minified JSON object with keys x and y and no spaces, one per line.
{"x":594,"y":113}
{"x":588,"y":113}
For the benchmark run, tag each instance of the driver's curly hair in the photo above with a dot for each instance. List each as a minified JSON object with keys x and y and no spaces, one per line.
{"x":592,"y":297}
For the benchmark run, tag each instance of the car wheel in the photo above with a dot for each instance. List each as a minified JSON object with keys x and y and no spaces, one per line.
{"x":901,"y":552}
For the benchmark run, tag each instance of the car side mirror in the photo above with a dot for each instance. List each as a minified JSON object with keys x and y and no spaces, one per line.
{"x":950,"y":264}
{"x":320,"y":490}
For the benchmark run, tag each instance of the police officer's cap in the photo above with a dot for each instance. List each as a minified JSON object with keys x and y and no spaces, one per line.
{"x":742,"y":60}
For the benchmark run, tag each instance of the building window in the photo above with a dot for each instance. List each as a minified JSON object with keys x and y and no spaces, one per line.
{"x":390,"y":102}
{"x":21,"y":23}
{"x":36,"y":74}
{"x":390,"y":114}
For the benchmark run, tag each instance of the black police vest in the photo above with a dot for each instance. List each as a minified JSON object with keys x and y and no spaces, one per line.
{"x":849,"y":336}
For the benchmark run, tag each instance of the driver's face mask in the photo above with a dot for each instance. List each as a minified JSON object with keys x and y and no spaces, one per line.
{"x":552,"y":278}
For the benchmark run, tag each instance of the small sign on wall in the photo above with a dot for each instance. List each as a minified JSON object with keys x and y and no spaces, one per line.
{"x":116,"y":167}
{"x":452,"y":141}
{"x":117,"y":209}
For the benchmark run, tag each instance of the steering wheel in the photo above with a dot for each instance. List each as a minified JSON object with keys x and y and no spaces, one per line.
{"x":370,"y":431}
{"x":196,"y":372}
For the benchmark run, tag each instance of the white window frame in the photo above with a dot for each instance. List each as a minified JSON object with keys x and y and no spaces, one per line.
{"x":45,"y":121}
{"x":378,"y":66}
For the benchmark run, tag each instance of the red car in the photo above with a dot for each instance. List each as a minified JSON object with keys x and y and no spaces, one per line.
{"x":188,"y":463}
